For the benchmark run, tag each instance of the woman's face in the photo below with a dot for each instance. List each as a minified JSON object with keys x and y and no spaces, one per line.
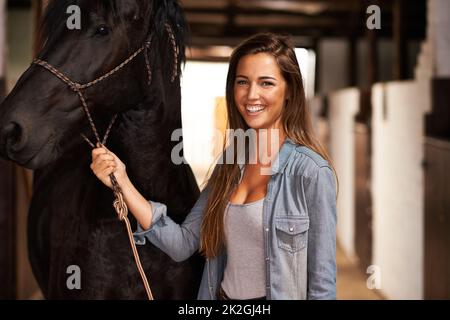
{"x":260,"y":91}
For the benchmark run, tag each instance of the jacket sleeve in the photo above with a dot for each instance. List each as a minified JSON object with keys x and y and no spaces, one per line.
{"x":177,"y":241}
{"x":321,"y":202}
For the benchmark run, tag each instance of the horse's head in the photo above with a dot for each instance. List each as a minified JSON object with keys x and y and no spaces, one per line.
{"x":42,"y":117}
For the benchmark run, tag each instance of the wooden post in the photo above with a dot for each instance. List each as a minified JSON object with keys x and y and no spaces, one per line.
{"x":372,"y":41}
{"x":437,"y":219}
{"x":7,"y":193}
{"x":372,"y":68}
{"x":7,"y":231}
{"x":231,"y":17}
{"x":38,"y":7}
{"x":316,"y":48}
{"x":400,"y":50}
{"x":352,"y":61}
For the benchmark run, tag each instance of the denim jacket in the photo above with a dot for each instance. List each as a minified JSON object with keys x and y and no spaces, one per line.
{"x":299,"y":227}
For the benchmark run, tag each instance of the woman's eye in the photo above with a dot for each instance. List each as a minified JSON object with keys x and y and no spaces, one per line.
{"x":241,"y":82}
{"x":102,"y":30}
{"x":267,"y":84}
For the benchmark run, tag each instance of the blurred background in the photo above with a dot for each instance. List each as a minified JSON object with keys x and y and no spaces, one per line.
{"x":380,"y":103}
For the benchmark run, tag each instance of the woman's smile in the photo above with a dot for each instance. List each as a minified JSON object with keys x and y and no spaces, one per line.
{"x":256,"y":109}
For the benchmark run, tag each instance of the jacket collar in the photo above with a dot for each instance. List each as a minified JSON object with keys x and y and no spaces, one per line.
{"x":282,"y":157}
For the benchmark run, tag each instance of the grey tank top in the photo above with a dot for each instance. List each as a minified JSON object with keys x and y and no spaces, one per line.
{"x":244,"y":276}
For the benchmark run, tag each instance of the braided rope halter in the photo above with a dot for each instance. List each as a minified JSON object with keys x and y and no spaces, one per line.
{"x":119,"y":203}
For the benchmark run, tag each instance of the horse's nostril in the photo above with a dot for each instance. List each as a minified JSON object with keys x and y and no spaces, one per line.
{"x":12,"y":134}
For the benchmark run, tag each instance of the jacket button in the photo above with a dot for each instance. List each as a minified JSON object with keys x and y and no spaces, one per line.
{"x":267,"y":229}
{"x":291,"y":229}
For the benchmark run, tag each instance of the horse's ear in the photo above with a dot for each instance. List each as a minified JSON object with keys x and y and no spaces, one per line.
{"x":170,"y":23}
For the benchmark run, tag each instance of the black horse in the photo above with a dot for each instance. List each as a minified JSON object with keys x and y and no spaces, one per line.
{"x":71,"y":219}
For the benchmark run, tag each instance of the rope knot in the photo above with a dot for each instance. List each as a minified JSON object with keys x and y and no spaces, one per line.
{"x":75,"y":86}
{"x":121,"y":208}
{"x":119,"y":203}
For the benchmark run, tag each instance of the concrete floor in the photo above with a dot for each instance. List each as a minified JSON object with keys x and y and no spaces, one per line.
{"x":351,"y":281}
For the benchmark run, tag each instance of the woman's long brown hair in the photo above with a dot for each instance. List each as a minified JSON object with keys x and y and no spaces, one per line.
{"x":296,"y":123}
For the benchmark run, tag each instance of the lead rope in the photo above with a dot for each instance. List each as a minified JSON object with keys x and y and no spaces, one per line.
{"x":119,"y":204}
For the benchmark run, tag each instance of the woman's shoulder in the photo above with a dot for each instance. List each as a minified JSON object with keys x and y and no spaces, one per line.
{"x":305,"y":161}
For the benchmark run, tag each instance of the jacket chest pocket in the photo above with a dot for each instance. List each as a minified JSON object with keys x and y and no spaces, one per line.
{"x":292,"y":232}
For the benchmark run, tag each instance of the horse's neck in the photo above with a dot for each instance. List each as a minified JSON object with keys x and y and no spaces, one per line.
{"x":142,"y":140}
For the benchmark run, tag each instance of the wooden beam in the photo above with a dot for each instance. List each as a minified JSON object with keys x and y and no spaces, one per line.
{"x":311,"y":7}
{"x":343,"y":18}
{"x":202,"y":42}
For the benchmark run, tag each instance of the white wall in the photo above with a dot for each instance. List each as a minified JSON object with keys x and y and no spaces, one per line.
{"x":307,"y":63}
{"x":439,"y":35}
{"x":398,"y":186}
{"x":433,"y":59}
{"x":344,"y":105}
{"x":201,"y":84}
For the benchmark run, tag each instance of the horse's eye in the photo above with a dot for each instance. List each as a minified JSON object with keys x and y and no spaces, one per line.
{"x":102,"y":30}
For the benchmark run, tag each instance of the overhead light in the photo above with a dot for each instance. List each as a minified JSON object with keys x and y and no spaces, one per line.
{"x":306,"y":7}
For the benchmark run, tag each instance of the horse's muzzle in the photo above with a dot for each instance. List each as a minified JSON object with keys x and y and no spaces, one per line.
{"x":11,"y":140}
{"x":14,"y":146}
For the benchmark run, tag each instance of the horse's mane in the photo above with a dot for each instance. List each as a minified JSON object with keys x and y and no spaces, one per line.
{"x":170,"y":12}
{"x":159,"y":12}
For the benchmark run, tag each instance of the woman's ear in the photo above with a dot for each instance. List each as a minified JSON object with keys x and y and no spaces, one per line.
{"x":287,"y":95}
{"x":287,"y":91}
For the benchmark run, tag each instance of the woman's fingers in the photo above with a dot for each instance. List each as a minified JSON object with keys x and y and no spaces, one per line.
{"x":100,"y":166}
{"x":105,"y":164}
{"x":98,"y":151}
{"x":102,"y":153}
{"x":108,"y":171}
{"x":104,"y":157}
{"x":101,"y":160}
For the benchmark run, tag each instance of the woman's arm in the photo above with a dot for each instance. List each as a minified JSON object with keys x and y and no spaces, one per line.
{"x":178,"y":241}
{"x":321,"y":202}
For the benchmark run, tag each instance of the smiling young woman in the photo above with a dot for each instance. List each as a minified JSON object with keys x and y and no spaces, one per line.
{"x":264,"y":236}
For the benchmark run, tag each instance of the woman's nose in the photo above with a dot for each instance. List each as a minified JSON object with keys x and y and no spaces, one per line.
{"x":253,"y":92}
